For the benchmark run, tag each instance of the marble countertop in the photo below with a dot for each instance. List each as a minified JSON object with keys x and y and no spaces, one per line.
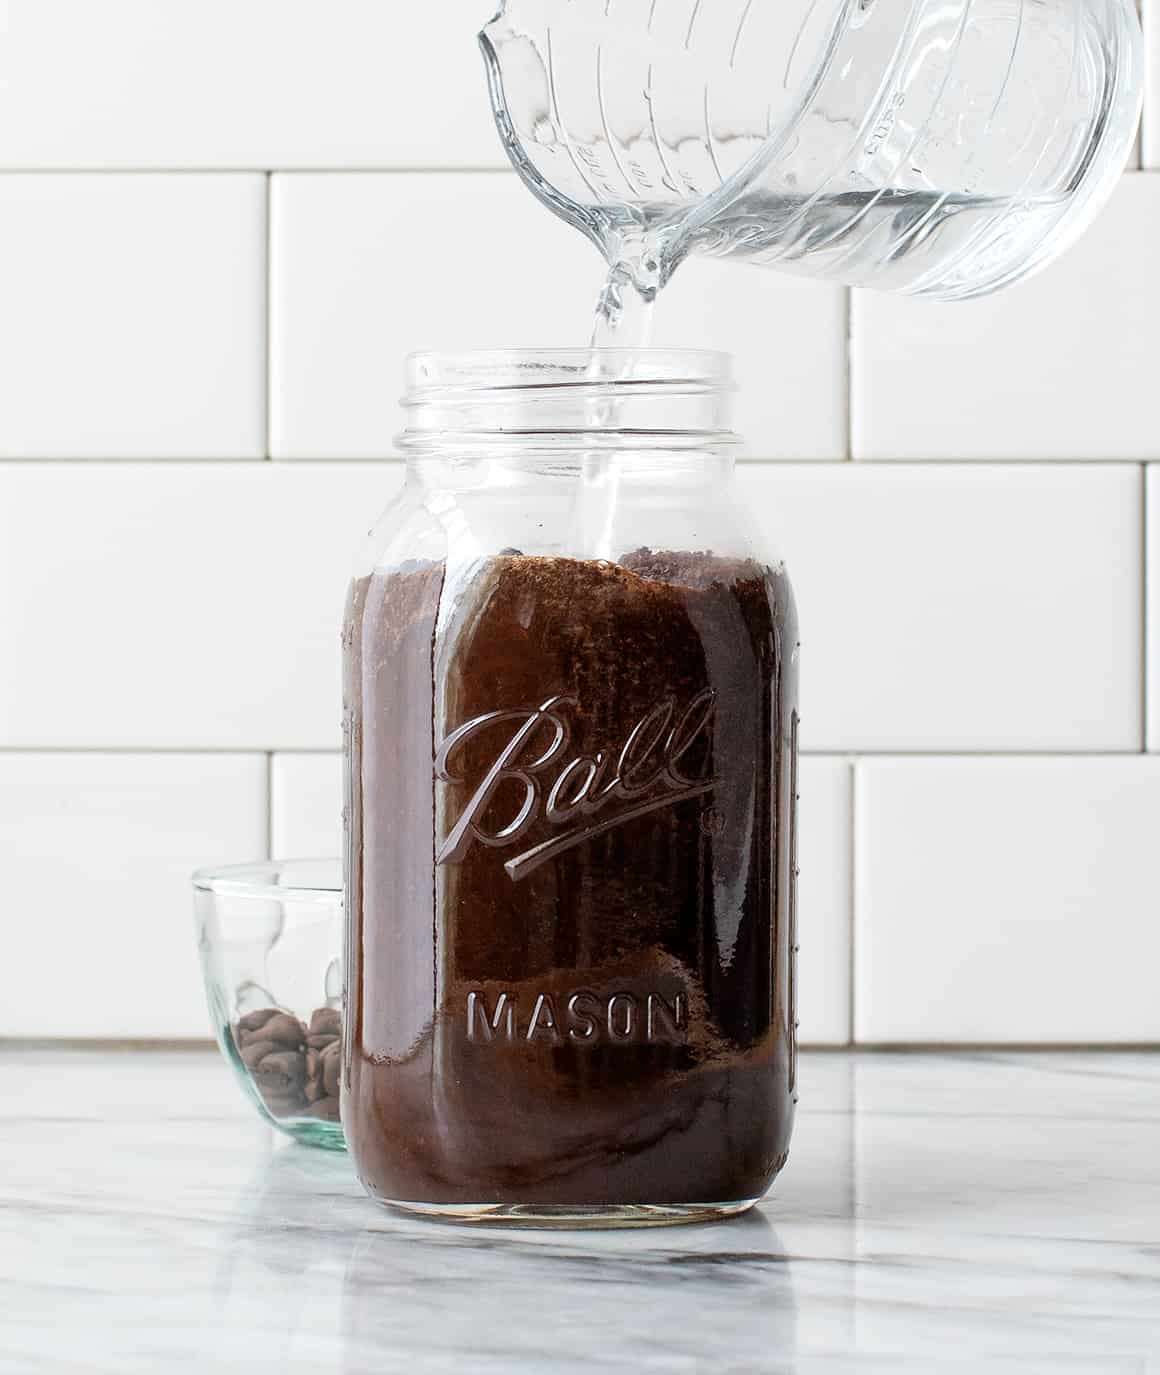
{"x":982,"y":1211}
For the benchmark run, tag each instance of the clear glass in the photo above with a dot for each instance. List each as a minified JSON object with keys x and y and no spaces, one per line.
{"x":571,"y":717}
{"x":943,"y":148}
{"x":270,"y":938}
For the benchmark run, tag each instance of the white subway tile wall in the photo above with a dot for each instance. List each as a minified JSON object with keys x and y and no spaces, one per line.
{"x":825,"y":909}
{"x":1007,"y":900}
{"x":98,"y":910}
{"x":243,"y":84}
{"x":949,"y":607}
{"x":368,"y":268}
{"x":306,"y":805}
{"x":1054,"y":370}
{"x":222,"y":226}
{"x":132,"y":316}
{"x":178,"y":606}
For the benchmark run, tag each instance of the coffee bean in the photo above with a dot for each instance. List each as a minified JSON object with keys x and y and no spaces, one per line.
{"x":327,"y":1021}
{"x":256,"y":1052}
{"x":283,"y":1069}
{"x":294,"y":1065}
{"x":286,"y":1030}
{"x":255,"y":1021}
{"x":331,"y":1059}
{"x":314,"y":1086}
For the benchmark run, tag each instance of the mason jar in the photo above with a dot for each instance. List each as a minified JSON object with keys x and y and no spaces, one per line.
{"x":571,"y":672}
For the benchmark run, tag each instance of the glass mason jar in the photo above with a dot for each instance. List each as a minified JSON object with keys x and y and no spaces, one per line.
{"x":571,"y":729}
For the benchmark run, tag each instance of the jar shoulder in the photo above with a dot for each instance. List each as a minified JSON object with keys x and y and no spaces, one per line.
{"x":492,"y":511}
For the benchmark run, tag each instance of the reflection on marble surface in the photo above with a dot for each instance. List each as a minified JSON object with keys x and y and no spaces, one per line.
{"x":992,"y":1212}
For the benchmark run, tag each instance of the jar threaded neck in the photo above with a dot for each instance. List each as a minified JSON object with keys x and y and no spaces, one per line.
{"x":595,"y":398}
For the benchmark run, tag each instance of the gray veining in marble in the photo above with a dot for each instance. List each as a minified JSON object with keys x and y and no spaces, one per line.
{"x":996,"y":1212}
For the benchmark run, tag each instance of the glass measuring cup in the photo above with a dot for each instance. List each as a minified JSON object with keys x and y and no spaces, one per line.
{"x":943,"y":148}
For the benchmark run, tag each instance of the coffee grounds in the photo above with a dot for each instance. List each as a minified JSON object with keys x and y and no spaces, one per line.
{"x":572,"y":988}
{"x":294,"y":1067}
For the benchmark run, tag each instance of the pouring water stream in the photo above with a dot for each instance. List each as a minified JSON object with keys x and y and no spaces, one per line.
{"x":624,"y":322}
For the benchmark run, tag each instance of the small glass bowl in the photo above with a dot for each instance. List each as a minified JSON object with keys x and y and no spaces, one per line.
{"x":270,"y":938}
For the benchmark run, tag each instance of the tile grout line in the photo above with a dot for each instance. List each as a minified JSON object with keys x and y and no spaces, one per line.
{"x":369,"y":169}
{"x":163,"y":462}
{"x":268,"y":373}
{"x":1151,"y":90}
{"x":1136,"y":159}
{"x":851,"y":923}
{"x":269,"y":805}
{"x":1132,"y":167}
{"x":868,"y":1049}
{"x":804,"y":466}
{"x":178,"y":751}
{"x":1146,"y":479}
{"x":849,"y":388}
{"x":1106,"y":756}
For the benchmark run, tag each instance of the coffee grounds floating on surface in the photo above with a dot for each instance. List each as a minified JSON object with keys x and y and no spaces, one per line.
{"x":571,"y":985}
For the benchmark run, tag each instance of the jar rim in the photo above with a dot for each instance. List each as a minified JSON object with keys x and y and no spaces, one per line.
{"x":578,"y":398}
{"x":537,"y":368}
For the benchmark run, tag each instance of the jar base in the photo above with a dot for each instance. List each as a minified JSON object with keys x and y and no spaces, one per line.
{"x":577,"y":1217}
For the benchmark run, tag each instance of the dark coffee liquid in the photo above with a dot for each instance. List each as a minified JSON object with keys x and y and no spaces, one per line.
{"x":570,"y":807}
